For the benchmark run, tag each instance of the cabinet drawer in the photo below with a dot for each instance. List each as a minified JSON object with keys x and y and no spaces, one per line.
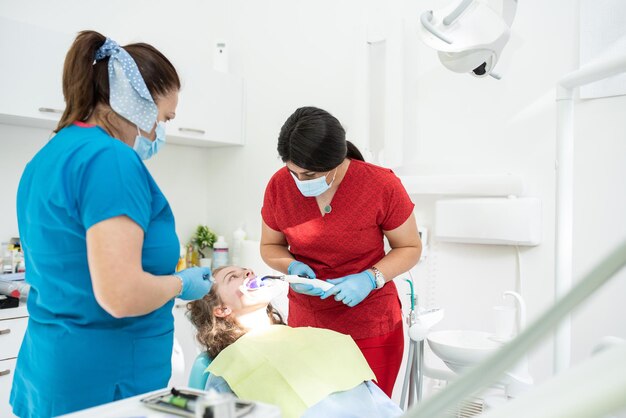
{"x":7,"y":371}
{"x":11,"y":335}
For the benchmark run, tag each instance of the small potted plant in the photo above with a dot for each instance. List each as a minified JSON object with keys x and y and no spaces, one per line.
{"x":203,"y":240}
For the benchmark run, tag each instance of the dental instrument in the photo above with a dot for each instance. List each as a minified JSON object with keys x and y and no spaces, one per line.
{"x":419,"y":324}
{"x":257,"y":282}
{"x":413,"y":375}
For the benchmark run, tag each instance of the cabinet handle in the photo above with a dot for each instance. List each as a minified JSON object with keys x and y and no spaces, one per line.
{"x":5,"y":331}
{"x":5,"y":372}
{"x":195,"y":131}
{"x":50,"y":110}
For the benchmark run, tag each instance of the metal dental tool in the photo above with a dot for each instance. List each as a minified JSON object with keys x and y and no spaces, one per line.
{"x":289,"y":278}
{"x":419,"y":324}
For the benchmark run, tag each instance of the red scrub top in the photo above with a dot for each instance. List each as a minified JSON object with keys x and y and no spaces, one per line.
{"x":348,"y":240}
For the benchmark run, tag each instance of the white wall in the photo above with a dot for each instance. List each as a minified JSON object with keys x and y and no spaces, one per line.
{"x":296,"y":53}
{"x":290,"y":54}
{"x":17,"y":147}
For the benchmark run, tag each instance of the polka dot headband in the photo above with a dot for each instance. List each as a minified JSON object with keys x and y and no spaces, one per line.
{"x":128,"y":94}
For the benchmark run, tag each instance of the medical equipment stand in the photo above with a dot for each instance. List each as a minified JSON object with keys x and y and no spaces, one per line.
{"x":415,"y":361}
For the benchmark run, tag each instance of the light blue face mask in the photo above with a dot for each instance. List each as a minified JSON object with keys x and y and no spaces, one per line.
{"x":146,"y":148}
{"x":313,"y":187}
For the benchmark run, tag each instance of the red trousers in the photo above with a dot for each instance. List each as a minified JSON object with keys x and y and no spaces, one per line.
{"x":384,"y":355}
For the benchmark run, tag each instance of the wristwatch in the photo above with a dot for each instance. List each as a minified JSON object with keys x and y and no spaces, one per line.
{"x":378,"y":277}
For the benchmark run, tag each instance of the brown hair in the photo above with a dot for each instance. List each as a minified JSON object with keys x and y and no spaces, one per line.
{"x":216,"y":333}
{"x":86,"y":82}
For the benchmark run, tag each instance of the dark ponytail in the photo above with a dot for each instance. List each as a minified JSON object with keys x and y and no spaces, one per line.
{"x":313,"y":139}
{"x":353,"y":152}
{"x":86,"y":82}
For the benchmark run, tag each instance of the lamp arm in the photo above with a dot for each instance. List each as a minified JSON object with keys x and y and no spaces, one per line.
{"x":425,"y":19}
{"x":509,"y":8}
{"x":448,"y":20}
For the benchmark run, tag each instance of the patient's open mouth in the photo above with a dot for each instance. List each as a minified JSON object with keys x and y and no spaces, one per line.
{"x":254,"y":283}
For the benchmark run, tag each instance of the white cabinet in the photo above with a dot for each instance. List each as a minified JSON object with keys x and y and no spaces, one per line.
{"x":210,"y":111}
{"x":12,"y":327}
{"x":7,"y":370}
{"x":31,"y":74}
{"x":11,"y":334}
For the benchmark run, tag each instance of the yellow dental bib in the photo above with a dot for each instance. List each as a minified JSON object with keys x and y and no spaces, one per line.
{"x":293,"y":368}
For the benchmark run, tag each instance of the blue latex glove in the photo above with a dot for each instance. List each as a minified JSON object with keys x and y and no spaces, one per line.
{"x":196,"y":282}
{"x":352,"y":289}
{"x":299,"y":268}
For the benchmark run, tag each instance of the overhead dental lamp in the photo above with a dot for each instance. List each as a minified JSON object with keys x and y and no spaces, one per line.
{"x":469,"y":37}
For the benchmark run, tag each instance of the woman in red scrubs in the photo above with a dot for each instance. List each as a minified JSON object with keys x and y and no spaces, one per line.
{"x":325,"y":215}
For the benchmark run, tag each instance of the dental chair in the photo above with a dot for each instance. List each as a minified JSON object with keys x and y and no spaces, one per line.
{"x":198,"y":375}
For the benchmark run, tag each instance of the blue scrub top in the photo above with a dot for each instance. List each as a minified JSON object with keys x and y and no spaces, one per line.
{"x":74,"y":354}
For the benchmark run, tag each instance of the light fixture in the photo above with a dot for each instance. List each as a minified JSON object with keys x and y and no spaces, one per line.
{"x":469,"y":37}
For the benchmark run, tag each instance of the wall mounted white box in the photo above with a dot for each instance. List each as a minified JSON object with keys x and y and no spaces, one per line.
{"x":499,"y":221}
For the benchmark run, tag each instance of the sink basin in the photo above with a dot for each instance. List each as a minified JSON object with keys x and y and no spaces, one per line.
{"x":461,"y":349}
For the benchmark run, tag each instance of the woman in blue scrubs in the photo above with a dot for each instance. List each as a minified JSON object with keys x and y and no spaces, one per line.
{"x":99,"y":238}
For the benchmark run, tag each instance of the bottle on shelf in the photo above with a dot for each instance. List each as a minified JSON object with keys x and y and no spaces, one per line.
{"x":189,"y":256}
{"x":182,"y":259}
{"x":7,"y":258}
{"x":220,"y":253}
{"x":20,"y":263}
{"x":195,"y":258}
{"x":238,"y":237}
{"x":16,"y":289}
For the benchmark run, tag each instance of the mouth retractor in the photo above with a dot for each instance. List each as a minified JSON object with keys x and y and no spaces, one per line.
{"x":254,"y":283}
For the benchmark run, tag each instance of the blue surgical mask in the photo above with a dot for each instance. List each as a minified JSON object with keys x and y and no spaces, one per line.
{"x":146,"y":148}
{"x":313,"y":187}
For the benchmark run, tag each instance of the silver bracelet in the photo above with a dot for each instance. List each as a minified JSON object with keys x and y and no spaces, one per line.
{"x":378,"y":278}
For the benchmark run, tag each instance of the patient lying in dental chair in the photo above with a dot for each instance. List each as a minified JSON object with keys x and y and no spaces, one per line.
{"x":307,"y":372}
